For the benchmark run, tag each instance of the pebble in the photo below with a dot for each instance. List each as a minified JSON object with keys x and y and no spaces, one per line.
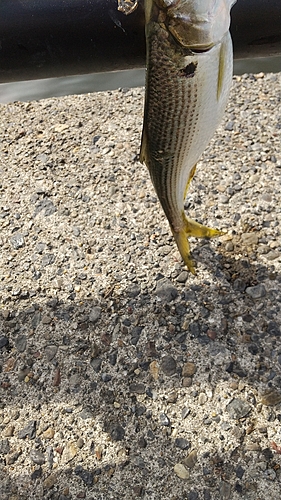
{"x":20,"y":343}
{"x":50,"y":481}
{"x":50,"y":352}
{"x":86,"y":476}
{"x":250,"y":239}
{"x":17,"y":241}
{"x":191,"y":459}
{"x":181,"y":471}
{"x":37,"y":457}
{"x":69,"y":452}
{"x":28,"y":431}
{"x":95,"y":314}
{"x":164,"y":420}
{"x":188,"y":369}
{"x":182,"y":443}
{"x":182,"y":277}
{"x":271,"y":398}
{"x":4,"y":342}
{"x":165,"y":290}
{"x":256,"y":292}
{"x":238,"y":408}
{"x":168,"y":366}
{"x":48,"y":433}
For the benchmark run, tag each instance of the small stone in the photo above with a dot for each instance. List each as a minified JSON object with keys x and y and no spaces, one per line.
{"x":185,"y":412}
{"x":46,"y":319}
{"x":133,"y":290}
{"x":187,"y":382}
{"x":117,"y":433}
{"x":182,"y":277}
{"x":182,"y":443}
{"x":191,"y":459}
{"x":173,"y":397}
{"x":256,"y":292}
{"x":96,"y":364}
{"x":271,"y":398}
{"x":4,"y":447}
{"x":238,"y":408}
{"x":20,"y":343}
{"x":36,"y":474}
{"x":250,"y":239}
{"x":76,"y":231}
{"x":272,"y":255}
{"x":137,"y":388}
{"x":80,"y":442}
{"x":168,"y":366}
{"x":154,"y":369}
{"x":48,"y":433}
{"x":50,"y":352}
{"x":8,"y":431}
{"x":28,"y":431}
{"x":202,"y":398}
{"x":4,"y":342}
{"x":37,"y":457}
{"x":225,"y":490}
{"x":50,"y":481}
{"x":69,"y":452}
{"x":86,"y":476}
{"x":181,"y":471}
{"x":165,"y":290}
{"x":164,"y":420}
{"x":188,"y":369}
{"x":48,"y":259}
{"x":86,"y":413}
{"x":57,"y":377}
{"x":17,"y":241}
{"x":229,"y":247}
{"x":95,"y":314}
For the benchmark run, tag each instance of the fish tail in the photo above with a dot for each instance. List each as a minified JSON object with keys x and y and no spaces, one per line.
{"x":191,"y":228}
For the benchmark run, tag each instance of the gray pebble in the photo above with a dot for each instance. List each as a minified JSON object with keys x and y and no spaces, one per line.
{"x":37,"y":457}
{"x":86,"y":476}
{"x":169,"y":366}
{"x":133,"y":290}
{"x":28,"y":431}
{"x":256,"y":292}
{"x":117,"y":432}
{"x":182,"y":277}
{"x":95,"y":314}
{"x":165,"y":290}
{"x":225,"y":490}
{"x":96,"y":364}
{"x":20,"y":343}
{"x":48,"y":259}
{"x":4,"y":447}
{"x":272,"y":255}
{"x":4,"y":342}
{"x":182,"y":443}
{"x":50,"y":352}
{"x":164,"y":420}
{"x":46,"y":206}
{"x":238,"y":408}
{"x":76,"y":231}
{"x":17,"y":241}
{"x":137,"y":388}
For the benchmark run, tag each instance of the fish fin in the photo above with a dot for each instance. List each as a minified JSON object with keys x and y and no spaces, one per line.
{"x":143,"y":147}
{"x":192,"y":228}
{"x":221,"y":70}
{"x":191,"y":175}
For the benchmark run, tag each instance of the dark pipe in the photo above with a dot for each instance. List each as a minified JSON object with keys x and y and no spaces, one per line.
{"x":51,"y":38}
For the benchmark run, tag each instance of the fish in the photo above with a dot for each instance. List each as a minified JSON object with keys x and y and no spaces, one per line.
{"x":188,"y":79}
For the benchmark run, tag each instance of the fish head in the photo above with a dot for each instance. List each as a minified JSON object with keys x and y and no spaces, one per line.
{"x":197,"y":24}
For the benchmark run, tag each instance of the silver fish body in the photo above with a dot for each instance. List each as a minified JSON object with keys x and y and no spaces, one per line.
{"x":189,"y":74}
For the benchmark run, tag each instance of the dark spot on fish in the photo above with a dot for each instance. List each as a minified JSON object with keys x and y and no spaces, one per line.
{"x":189,"y":70}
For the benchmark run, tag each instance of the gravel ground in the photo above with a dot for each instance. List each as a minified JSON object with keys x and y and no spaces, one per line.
{"x":122,"y":375}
